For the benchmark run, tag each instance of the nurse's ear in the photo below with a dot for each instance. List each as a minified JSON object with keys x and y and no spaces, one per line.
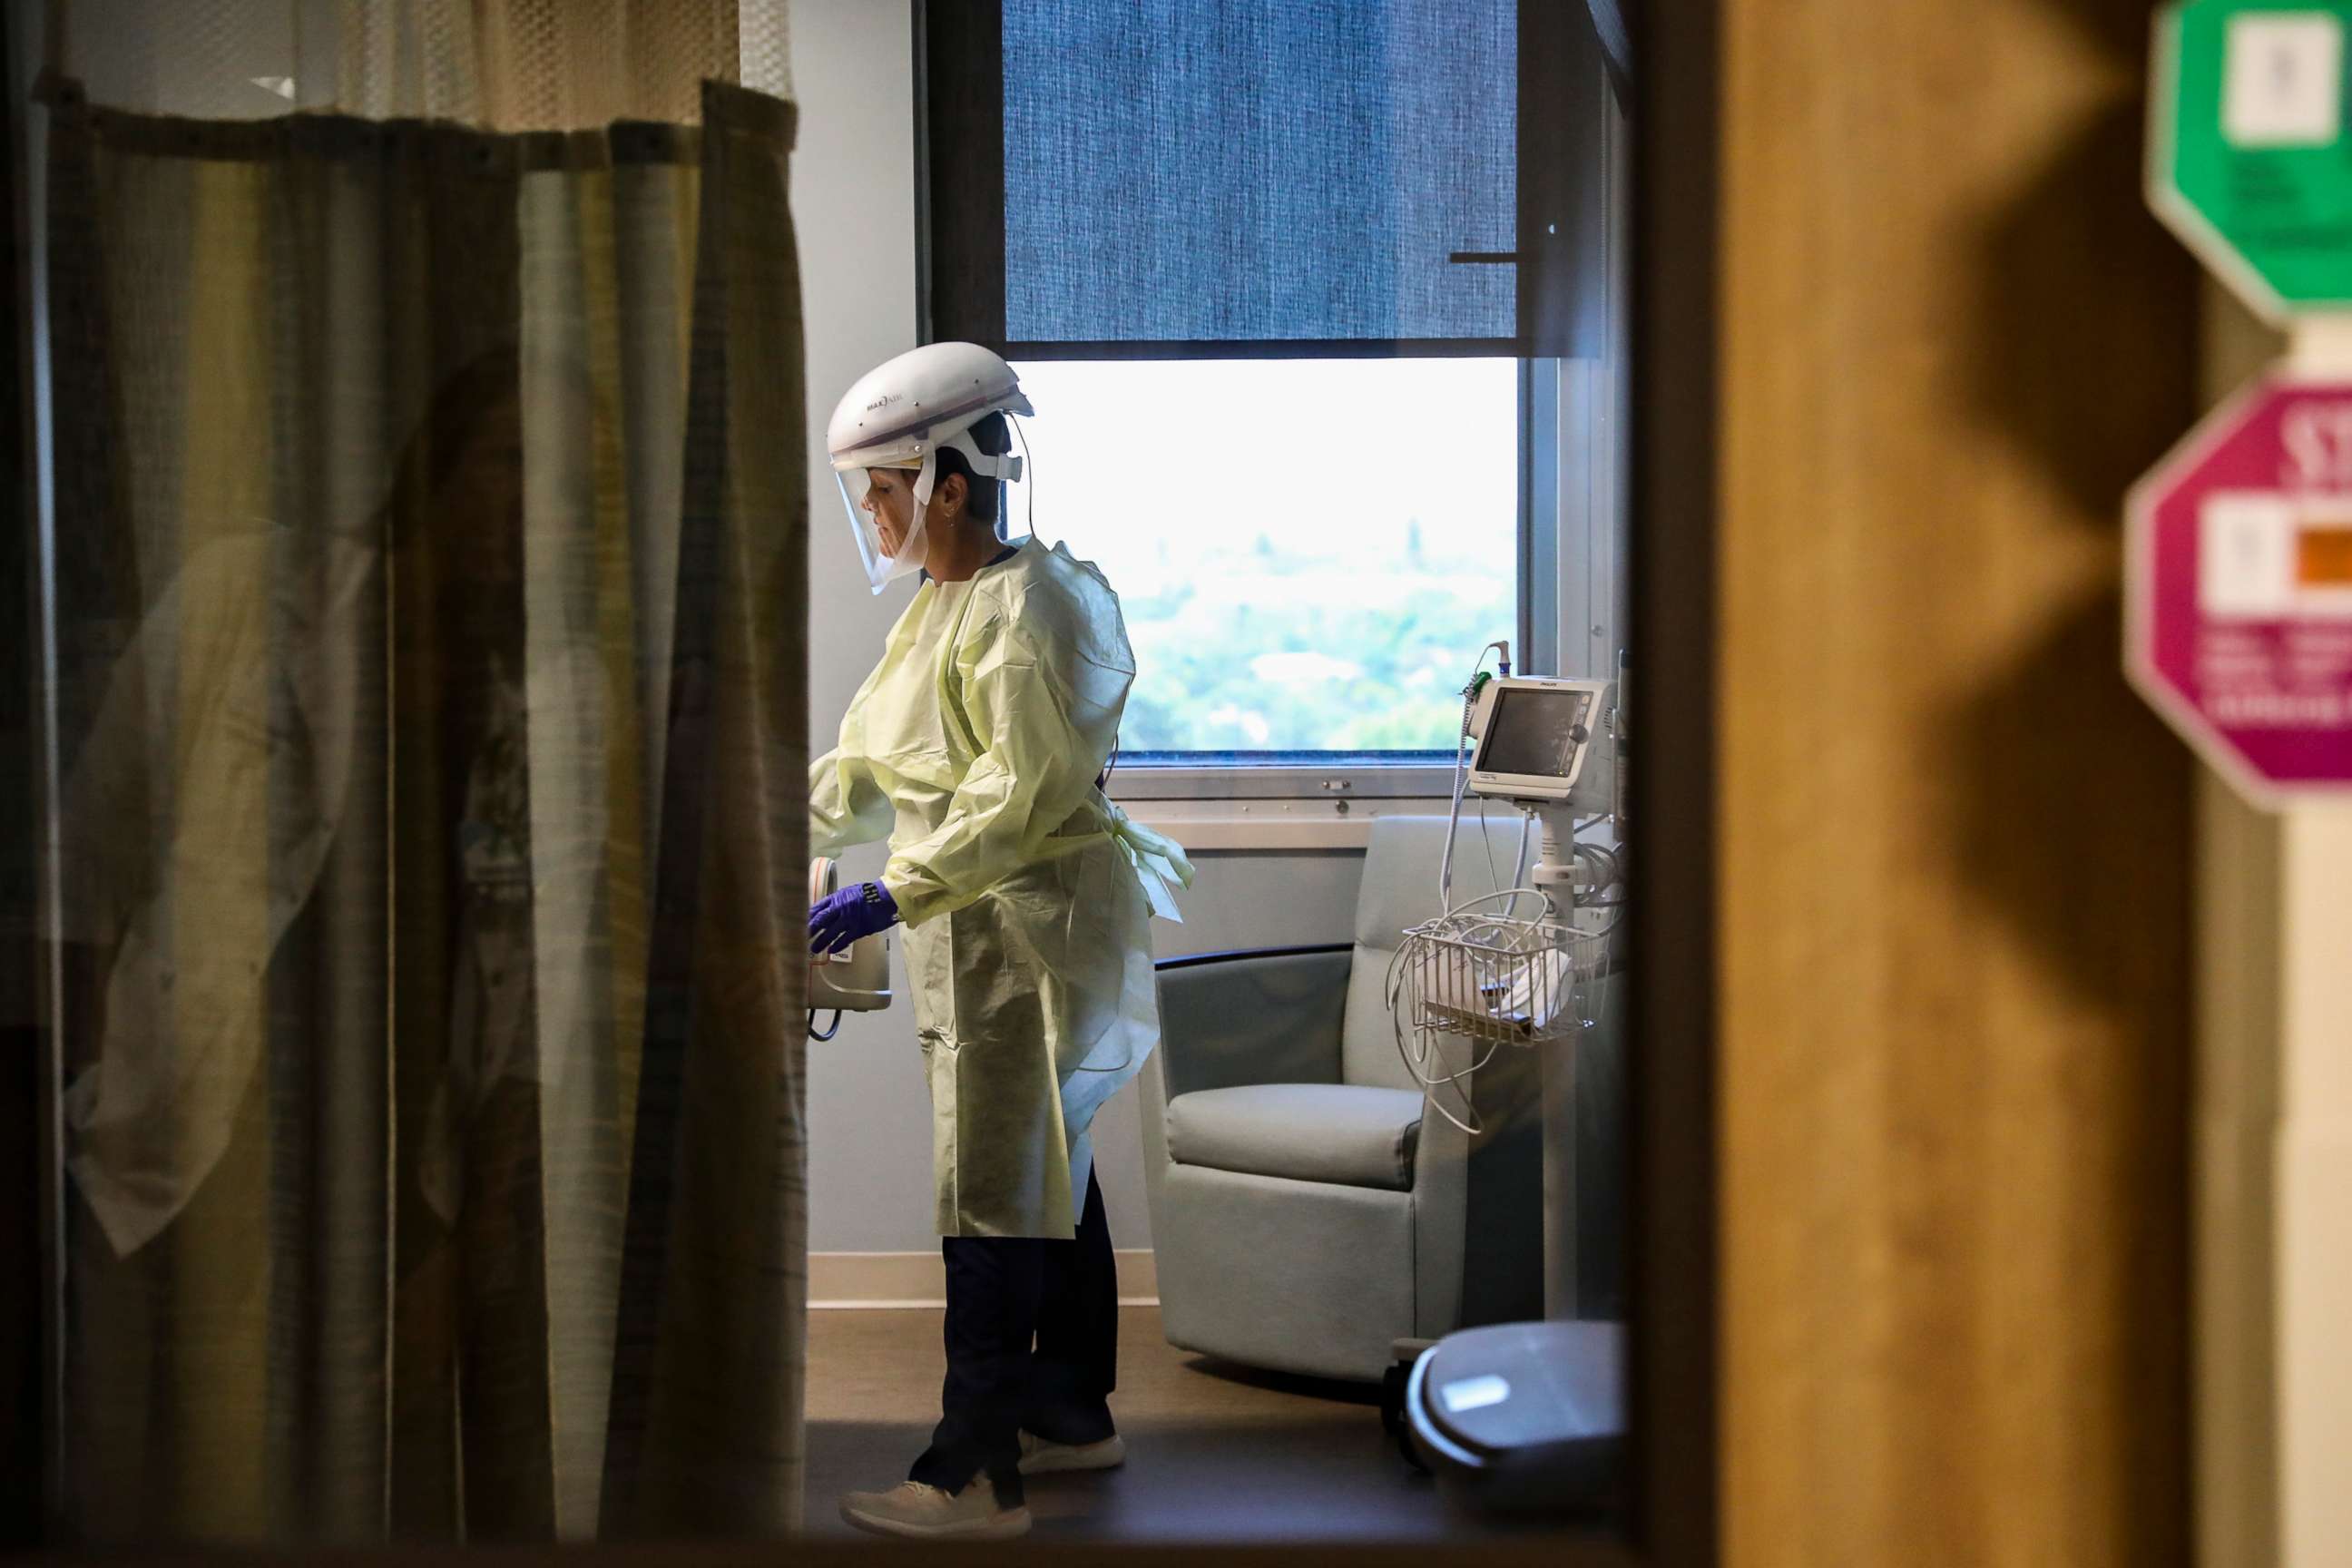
{"x":953,"y":494}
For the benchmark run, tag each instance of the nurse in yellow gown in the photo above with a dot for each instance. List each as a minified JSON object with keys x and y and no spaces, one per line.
{"x":978,"y":747}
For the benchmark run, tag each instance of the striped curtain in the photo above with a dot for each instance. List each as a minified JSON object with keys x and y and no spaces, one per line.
{"x":429,"y":579}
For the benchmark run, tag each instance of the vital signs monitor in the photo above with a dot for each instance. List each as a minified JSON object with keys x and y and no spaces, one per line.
{"x":1542,"y":741}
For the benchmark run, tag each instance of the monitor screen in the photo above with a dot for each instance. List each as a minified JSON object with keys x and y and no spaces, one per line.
{"x":1532,"y":731}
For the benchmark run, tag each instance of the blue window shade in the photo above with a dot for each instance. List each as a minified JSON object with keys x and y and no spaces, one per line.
{"x":1254,"y":172}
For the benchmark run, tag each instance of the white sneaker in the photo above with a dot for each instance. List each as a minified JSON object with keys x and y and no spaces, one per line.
{"x":1040,"y":1458}
{"x":926,"y":1513}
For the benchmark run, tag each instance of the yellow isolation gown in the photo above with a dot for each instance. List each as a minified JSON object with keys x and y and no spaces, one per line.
{"x":976,"y":745}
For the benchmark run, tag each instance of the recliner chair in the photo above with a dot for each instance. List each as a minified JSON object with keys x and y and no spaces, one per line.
{"x":1308,"y":1210}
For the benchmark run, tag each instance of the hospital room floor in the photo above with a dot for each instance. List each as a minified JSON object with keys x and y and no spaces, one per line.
{"x":1214,"y":1452}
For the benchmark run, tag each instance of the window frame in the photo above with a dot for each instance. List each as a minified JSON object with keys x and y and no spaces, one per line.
{"x":1279,"y":781}
{"x":1413,"y":777}
{"x":1306,"y":775}
{"x":1567,"y":549}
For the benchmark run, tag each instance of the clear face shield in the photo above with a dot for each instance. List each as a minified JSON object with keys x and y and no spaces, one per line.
{"x":886,"y":506}
{"x":887,"y":493}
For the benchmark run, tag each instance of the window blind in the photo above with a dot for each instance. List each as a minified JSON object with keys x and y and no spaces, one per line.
{"x":1192,"y":177}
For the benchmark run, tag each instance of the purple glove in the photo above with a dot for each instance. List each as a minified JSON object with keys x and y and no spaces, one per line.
{"x":840,"y":918}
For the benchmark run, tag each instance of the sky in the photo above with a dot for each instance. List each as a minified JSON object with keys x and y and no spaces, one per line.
{"x":1150,"y":467}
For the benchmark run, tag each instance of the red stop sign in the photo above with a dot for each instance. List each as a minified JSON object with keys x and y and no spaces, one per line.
{"x":2238,"y":560}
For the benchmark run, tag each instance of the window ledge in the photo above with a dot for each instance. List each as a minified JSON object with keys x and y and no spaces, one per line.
{"x":1214,"y":825}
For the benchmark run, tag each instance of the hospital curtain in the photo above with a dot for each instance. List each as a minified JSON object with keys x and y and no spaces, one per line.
{"x":501,"y":65}
{"x":429,"y":551}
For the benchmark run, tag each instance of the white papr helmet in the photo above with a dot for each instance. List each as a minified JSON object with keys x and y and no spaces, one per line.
{"x":899,"y":415}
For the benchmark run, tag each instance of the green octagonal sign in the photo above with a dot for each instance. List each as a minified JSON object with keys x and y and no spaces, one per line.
{"x":2250,"y":152}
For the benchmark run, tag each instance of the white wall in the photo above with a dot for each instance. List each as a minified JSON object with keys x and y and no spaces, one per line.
{"x":854,"y":206}
{"x":853,"y":213}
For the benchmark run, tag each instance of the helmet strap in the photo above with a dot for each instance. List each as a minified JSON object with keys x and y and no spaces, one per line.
{"x":1006,"y":465}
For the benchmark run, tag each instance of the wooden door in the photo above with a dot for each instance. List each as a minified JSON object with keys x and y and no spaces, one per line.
{"x":1953,"y":851}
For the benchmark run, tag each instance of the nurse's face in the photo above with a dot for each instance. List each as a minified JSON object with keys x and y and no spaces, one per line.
{"x":890,"y":501}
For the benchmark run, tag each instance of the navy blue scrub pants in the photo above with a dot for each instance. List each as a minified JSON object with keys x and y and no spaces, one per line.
{"x":1032,"y":1345}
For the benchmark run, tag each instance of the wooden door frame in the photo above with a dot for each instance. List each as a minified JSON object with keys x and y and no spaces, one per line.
{"x":1672,"y":113}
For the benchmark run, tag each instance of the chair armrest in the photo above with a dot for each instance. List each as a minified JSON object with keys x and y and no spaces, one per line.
{"x":1271,"y":1015}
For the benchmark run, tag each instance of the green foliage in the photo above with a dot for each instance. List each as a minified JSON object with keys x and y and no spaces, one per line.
{"x":1371,"y":669}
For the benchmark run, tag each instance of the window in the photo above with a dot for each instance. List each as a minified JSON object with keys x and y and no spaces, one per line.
{"x":1308,"y":551}
{"x":1292,"y":284}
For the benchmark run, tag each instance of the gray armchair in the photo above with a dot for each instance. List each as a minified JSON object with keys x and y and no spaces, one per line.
{"x":1308,"y":1210}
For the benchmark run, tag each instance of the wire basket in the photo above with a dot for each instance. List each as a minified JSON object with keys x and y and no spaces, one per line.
{"x":1487,"y":976}
{"x":1468,"y":984}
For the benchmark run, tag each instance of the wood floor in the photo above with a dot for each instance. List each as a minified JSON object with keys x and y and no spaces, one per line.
{"x":1214,"y":1452}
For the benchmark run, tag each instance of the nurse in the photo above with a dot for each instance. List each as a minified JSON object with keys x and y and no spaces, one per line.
{"x":978,"y":747}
